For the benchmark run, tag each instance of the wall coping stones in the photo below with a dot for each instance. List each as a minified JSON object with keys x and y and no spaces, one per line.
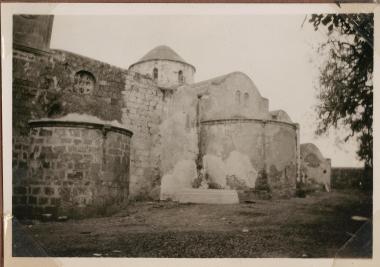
{"x":247,"y":120}
{"x":77,"y":124}
{"x":170,"y":60}
{"x":31,"y":49}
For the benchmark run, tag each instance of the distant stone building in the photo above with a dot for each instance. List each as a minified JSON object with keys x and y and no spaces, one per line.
{"x":315,"y":169}
{"x":144,"y":133}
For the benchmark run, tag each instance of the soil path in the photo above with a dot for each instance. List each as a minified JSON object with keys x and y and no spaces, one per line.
{"x":315,"y":226}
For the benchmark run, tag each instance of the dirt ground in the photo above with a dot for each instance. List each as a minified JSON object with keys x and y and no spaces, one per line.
{"x":315,"y":226}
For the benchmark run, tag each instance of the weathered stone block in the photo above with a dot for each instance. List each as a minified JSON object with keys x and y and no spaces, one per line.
{"x":81,"y":165}
{"x":49,"y":191}
{"x":46,"y":164}
{"x":66,"y":140}
{"x":45,"y":132}
{"x":36,"y":190}
{"x":42,"y":200}
{"x":37,"y":140}
{"x":76,"y":156}
{"x":55,"y":201}
{"x":208,"y":196}
{"x":74,"y":132}
{"x":19,"y":190}
{"x":87,"y":141}
{"x":32,"y":200}
{"x":59,"y":149}
{"x":77,"y":141}
{"x":75,"y":175}
{"x":46,"y":151}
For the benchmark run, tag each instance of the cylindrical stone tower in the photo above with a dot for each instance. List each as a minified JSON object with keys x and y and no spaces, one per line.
{"x":165,"y":67}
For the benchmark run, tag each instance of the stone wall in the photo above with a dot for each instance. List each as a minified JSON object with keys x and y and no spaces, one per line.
{"x":29,"y":89}
{"x":144,"y":104}
{"x":166,"y":119}
{"x":48,"y":85}
{"x":75,"y":169}
{"x":68,"y":77}
{"x":211,"y":131}
{"x":230,"y":96}
{"x":208,"y":100}
{"x":240,"y":152}
{"x":281,"y":157}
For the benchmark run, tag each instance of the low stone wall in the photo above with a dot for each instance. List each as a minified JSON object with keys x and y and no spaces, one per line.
{"x":74,"y":169}
{"x":345,"y":178}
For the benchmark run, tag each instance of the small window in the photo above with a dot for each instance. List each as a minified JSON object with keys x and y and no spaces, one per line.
{"x":155,"y":73}
{"x":246,"y":99}
{"x":181,"y":79}
{"x":188,"y":122}
{"x":237,"y":97}
{"x":84,"y":82}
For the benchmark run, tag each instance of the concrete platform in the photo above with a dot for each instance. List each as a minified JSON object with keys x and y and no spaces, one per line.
{"x":208,"y":196}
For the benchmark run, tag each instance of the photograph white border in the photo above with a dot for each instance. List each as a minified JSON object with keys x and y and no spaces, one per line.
{"x":8,"y":9}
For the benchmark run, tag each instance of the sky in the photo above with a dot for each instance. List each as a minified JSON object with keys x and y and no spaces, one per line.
{"x":278,"y":52}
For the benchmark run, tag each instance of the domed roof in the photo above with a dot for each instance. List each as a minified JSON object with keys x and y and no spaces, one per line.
{"x":310,"y":148}
{"x":162,"y":52}
{"x":280,"y":115}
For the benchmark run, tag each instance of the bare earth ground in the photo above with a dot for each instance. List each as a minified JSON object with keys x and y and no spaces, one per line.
{"x":315,"y":226}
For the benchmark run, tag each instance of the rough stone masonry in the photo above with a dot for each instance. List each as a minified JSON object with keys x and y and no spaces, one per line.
{"x":214,"y":134}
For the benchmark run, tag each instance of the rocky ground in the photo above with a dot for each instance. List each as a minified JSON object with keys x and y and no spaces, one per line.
{"x":315,"y":226}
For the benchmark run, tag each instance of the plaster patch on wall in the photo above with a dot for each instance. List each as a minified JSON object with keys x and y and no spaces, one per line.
{"x":181,"y":177}
{"x":235,"y":171}
{"x":315,"y":169}
{"x":178,"y":142}
{"x":215,"y":170}
{"x":239,"y":165}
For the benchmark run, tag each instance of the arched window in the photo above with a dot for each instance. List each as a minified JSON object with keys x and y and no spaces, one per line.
{"x":181,"y":79}
{"x":246,"y":99}
{"x":155,"y":73}
{"x":237,"y":97}
{"x":84,"y":82}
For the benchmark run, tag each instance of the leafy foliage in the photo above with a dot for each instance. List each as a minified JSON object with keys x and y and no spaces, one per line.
{"x":346,"y":90}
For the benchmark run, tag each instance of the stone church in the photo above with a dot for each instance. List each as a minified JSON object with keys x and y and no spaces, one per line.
{"x":88,"y":137}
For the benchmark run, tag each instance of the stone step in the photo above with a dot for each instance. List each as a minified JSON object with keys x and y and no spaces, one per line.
{"x":208,"y":196}
{"x":251,"y":195}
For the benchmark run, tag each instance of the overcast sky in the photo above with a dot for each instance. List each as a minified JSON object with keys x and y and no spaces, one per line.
{"x":273,"y":50}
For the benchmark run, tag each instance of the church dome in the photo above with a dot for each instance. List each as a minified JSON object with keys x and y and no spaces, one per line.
{"x":162,"y":52}
{"x":165,"y":67}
